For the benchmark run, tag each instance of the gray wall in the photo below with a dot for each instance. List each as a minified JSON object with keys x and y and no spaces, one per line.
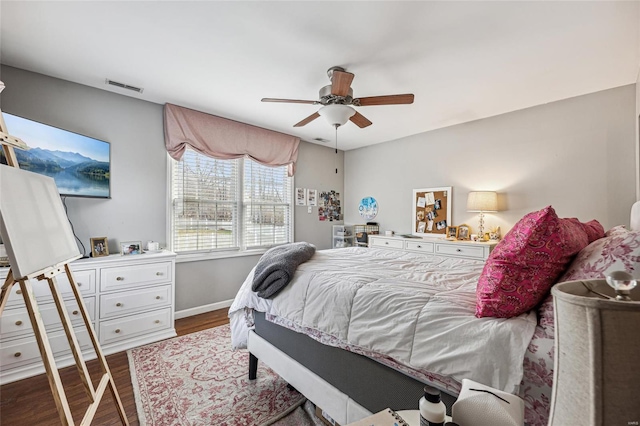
{"x":138,"y":207}
{"x":578,"y":155}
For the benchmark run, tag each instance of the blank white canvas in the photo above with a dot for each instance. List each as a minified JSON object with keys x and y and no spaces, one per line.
{"x":33,"y":223}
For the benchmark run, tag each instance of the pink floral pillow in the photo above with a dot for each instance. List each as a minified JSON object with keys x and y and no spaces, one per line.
{"x":527,"y":262}
{"x":619,"y":250}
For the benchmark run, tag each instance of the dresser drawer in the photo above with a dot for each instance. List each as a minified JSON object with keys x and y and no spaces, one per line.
{"x":386,"y":242}
{"x":25,"y":351}
{"x":115,"y":304}
{"x":461,"y":250}
{"x":123,"y":277}
{"x":15,"y":322}
{"x":86,"y":281}
{"x":422,"y":246}
{"x":134,"y":325}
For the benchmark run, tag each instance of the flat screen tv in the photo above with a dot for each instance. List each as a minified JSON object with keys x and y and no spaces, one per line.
{"x":80,"y":165}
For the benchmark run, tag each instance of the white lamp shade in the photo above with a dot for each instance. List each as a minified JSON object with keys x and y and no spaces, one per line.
{"x":337,"y":114}
{"x":596,"y":377}
{"x":482,"y":201}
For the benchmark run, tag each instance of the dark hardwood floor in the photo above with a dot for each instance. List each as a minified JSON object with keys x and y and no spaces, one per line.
{"x":29,"y":401}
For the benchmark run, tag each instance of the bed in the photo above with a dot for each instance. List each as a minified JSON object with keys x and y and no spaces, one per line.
{"x":361,"y":329}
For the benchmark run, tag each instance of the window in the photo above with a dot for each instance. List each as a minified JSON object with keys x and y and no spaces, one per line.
{"x":225,"y":205}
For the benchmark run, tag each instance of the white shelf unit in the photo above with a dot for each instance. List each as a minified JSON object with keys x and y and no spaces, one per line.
{"x":342,"y":236}
{"x":130,"y":300}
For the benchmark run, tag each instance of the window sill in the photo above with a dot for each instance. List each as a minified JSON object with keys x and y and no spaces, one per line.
{"x":197,"y":257}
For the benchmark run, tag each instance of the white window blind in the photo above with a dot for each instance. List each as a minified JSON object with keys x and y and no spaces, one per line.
{"x":205,"y":197}
{"x":267,"y":197}
{"x":229,"y":204}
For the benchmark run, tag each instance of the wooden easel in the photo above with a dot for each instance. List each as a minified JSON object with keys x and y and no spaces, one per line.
{"x":49,"y":274}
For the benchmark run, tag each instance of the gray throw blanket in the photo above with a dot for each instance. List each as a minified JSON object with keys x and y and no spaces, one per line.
{"x":277,"y":266}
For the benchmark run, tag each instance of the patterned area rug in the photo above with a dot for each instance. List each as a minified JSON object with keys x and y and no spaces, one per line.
{"x":197,"y":379}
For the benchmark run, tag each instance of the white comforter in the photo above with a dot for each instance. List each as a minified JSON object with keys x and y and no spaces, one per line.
{"x":418,"y":310}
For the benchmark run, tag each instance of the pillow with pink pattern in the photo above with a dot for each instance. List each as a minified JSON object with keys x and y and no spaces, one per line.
{"x":528,"y":261}
{"x":619,"y":250}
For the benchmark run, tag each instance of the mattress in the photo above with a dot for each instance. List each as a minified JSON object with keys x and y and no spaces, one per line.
{"x":410,"y":311}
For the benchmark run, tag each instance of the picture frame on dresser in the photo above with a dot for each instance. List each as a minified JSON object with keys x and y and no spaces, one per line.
{"x":99,"y":247}
{"x":129,"y":248}
{"x":452,"y":232}
{"x":464,"y":232}
{"x":431,"y":211}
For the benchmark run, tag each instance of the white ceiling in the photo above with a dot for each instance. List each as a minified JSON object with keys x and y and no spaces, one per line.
{"x":462,"y":60}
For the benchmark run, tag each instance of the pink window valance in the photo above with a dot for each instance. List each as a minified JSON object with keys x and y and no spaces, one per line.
{"x":226,"y":139}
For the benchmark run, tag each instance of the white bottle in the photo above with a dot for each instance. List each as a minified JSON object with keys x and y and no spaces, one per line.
{"x":432,"y":409}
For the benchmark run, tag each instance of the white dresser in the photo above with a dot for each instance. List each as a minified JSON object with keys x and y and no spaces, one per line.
{"x":435,"y":246}
{"x":130,"y":300}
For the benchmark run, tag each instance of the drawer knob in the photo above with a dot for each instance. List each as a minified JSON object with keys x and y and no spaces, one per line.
{"x":458,"y":249}
{"x":18,"y":291}
{"x":158,"y":297}
{"x":419,"y":246}
{"x":117,"y":330}
{"x":75,"y":312}
{"x":18,"y":322}
{"x":17,"y":354}
{"x":79,"y":284}
{"x":157,"y":321}
{"x":159,"y":274}
{"x":119,"y":278}
{"x":118,"y":304}
{"x":386,"y":242}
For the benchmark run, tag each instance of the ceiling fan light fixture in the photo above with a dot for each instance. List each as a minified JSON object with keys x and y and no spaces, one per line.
{"x":337,"y":114}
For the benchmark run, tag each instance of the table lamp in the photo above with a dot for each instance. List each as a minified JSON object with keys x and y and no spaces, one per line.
{"x":596,"y":377}
{"x":482,"y":201}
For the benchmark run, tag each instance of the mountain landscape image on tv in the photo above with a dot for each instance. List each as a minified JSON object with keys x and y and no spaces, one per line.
{"x":80,"y":165}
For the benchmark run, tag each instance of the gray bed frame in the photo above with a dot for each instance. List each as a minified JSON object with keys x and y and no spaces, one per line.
{"x":371,"y":384}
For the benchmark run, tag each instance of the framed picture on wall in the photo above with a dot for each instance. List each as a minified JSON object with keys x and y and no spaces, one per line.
{"x":431,"y":211}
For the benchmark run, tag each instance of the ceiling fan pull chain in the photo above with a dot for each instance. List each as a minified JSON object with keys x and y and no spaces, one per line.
{"x":336,"y":159}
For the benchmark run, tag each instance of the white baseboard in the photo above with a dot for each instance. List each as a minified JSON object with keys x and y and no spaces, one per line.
{"x":202,"y":309}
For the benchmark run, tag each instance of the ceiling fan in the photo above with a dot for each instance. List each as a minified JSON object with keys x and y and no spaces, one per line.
{"x":338,"y":101}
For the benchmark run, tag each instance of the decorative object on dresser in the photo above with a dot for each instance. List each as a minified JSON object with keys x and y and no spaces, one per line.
{"x":452,"y":232}
{"x":153,"y":247}
{"x":464,"y":232}
{"x":99,"y":247}
{"x":40,"y":245}
{"x":431,"y":211}
{"x":596,"y":377}
{"x":482,"y":202}
{"x":130,"y":247}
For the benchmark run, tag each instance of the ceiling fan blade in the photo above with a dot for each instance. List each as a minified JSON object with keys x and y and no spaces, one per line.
{"x":385,"y":100}
{"x":341,"y":82}
{"x":360,"y":120}
{"x":292,"y":101}
{"x":307,"y":120}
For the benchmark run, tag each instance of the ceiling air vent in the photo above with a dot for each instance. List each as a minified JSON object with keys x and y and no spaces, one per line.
{"x":124,"y":86}
{"x":321,"y":140}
